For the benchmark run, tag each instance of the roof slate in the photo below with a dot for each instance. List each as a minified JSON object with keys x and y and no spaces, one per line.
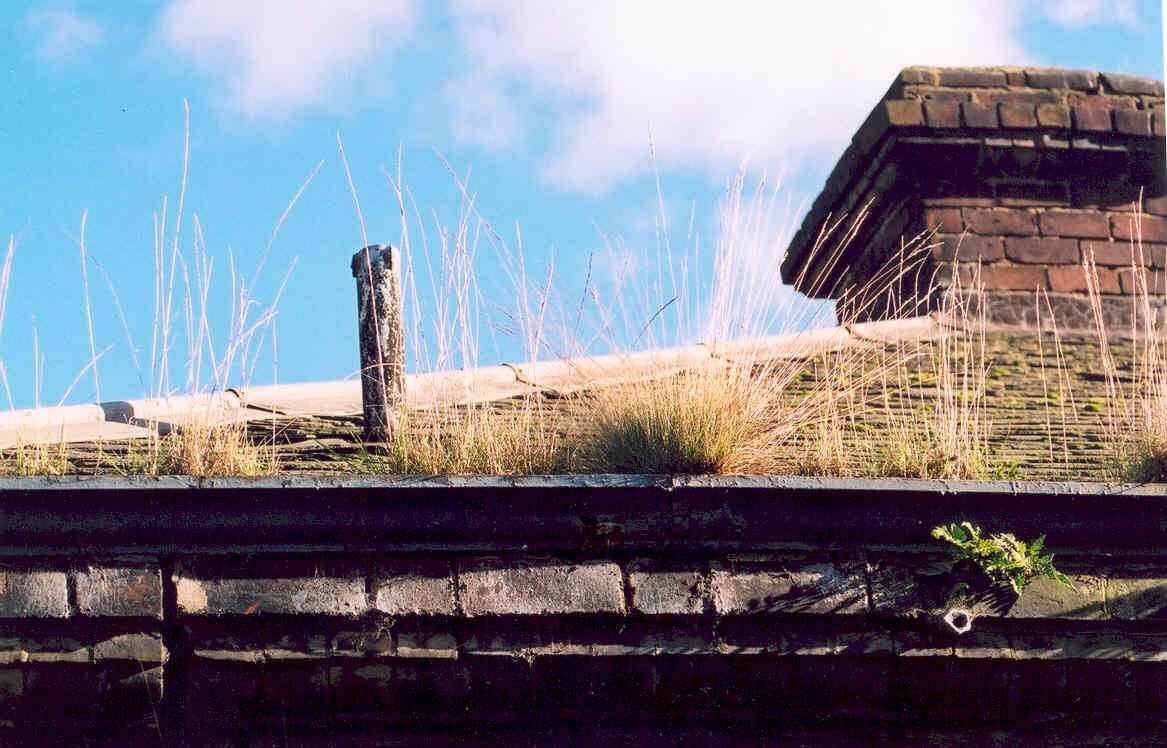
{"x":1042,"y":426}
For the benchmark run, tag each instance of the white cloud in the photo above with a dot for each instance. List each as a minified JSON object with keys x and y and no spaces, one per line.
{"x":482,"y":114}
{"x":63,"y":36}
{"x":1081,"y":13}
{"x":780,"y":83}
{"x":279,"y":56}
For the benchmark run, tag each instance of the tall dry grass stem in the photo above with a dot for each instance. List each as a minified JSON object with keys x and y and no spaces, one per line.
{"x":936,"y":420}
{"x":1134,"y":420}
{"x":751,"y":412}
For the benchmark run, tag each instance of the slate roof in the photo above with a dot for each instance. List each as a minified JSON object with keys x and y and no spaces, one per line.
{"x":1042,"y":429}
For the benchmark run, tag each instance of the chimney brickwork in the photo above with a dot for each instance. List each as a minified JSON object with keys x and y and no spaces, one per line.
{"x":1022,"y":172}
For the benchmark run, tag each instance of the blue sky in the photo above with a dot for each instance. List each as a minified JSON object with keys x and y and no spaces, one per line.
{"x":548,"y":106}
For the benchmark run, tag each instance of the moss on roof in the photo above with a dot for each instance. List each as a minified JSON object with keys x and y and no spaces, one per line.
{"x":1040,"y":428}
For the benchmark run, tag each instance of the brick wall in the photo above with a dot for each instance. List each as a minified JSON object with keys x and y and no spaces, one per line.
{"x":714,"y":604}
{"x":1027,"y":171}
{"x":1015,"y":249}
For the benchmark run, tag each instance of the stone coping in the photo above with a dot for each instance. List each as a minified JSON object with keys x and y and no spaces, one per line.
{"x":577,"y":514}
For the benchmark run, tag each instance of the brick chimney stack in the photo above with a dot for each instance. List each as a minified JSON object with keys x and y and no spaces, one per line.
{"x":1024,"y":170}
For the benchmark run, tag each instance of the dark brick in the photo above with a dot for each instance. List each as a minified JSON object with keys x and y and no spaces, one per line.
{"x":1033,"y":98}
{"x":944,"y":220}
{"x":283,"y":596}
{"x":423,"y":587}
{"x":1111,"y":254}
{"x":1032,"y":193}
{"x":972,"y":78}
{"x":541,"y":587}
{"x":1134,"y":597}
{"x":1132,"y":122}
{"x":959,"y":201}
{"x":1072,"y":279}
{"x":1132,"y":84}
{"x":1006,"y":277}
{"x":1155,"y":254}
{"x":1053,"y":115}
{"x":661,"y":590}
{"x":1102,"y":102}
{"x":1045,"y":598}
{"x":1148,"y":228}
{"x":1017,"y":115}
{"x":1155,"y":205}
{"x":969,"y":248}
{"x":1083,"y":80}
{"x":119,"y":591}
{"x":1043,"y":251}
{"x":1091,"y":119}
{"x":918,"y":76}
{"x":1000,"y":221}
{"x":904,"y":113}
{"x":869,"y":133}
{"x":33,"y":594}
{"x":982,"y":116}
{"x":825,"y":588}
{"x":145,"y":648}
{"x":942,"y":114}
{"x":1158,"y":125}
{"x":928,"y":93}
{"x":1081,"y":224}
{"x":1131,"y":279}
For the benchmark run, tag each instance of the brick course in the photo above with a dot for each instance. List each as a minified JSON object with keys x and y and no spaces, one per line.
{"x":1090,"y":118}
{"x":1043,"y":251}
{"x":1130,"y":282}
{"x":537,"y":587}
{"x":969,"y":248}
{"x":1111,"y":254}
{"x":265,"y":595}
{"x":1149,"y":228}
{"x":942,"y":114}
{"x":1131,"y":122}
{"x":1006,"y":277}
{"x":33,"y":594}
{"x":1000,"y":221}
{"x":1017,"y":115}
{"x":981,"y":116}
{"x":119,"y":591}
{"x":1072,"y":279}
{"x":1053,"y":115}
{"x":1035,"y":154}
{"x":944,"y":220}
{"x":1074,"y":223}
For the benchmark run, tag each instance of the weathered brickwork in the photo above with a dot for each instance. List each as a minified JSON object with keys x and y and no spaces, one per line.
{"x":1029,"y":173}
{"x":117,"y":591}
{"x":722,"y":625}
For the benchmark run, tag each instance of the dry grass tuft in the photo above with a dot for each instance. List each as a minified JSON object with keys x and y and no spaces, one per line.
{"x":940,"y":430}
{"x":217,"y":450}
{"x":26,"y":460}
{"x":476,"y":439}
{"x":1135,"y":419}
{"x":198,"y":448}
{"x":752,"y":412}
{"x":695,"y":422}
